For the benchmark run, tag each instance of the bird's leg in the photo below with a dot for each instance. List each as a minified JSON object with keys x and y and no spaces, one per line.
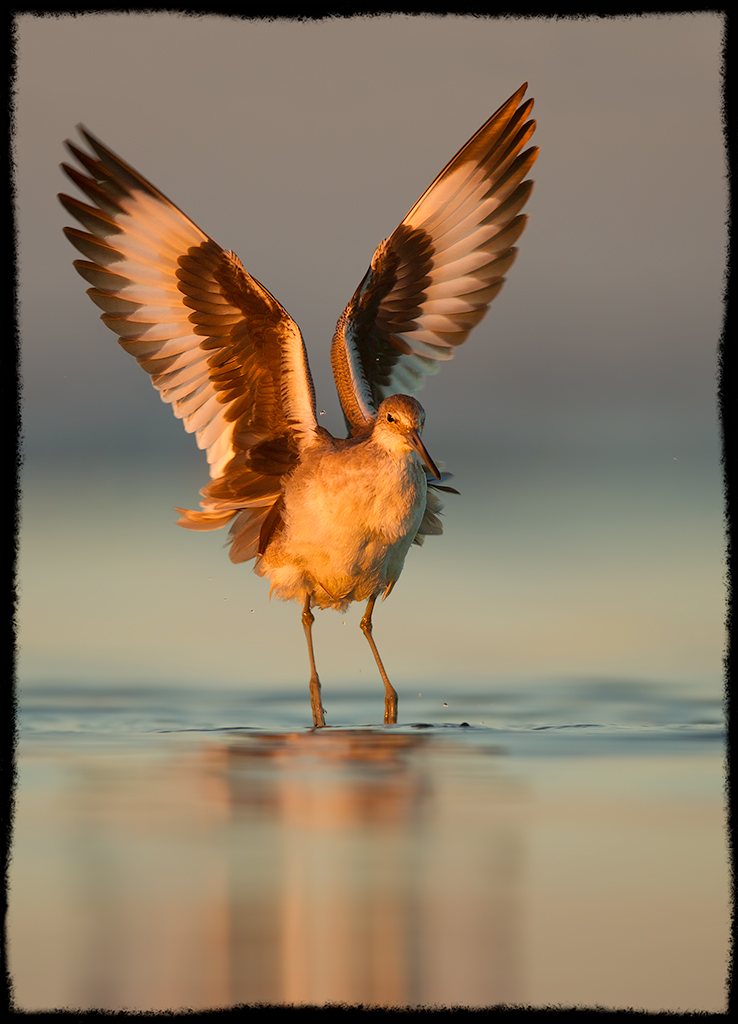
{"x":307,"y":624}
{"x":390,"y":694}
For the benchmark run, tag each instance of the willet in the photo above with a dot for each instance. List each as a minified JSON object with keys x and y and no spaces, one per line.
{"x":329,"y":521}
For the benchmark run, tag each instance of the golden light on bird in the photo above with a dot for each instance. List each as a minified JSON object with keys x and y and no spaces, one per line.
{"x":327,"y":520}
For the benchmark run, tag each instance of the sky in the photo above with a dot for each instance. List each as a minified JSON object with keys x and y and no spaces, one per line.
{"x":579,"y":418}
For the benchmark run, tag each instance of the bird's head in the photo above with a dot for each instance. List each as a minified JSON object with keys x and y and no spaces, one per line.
{"x":398,"y":426}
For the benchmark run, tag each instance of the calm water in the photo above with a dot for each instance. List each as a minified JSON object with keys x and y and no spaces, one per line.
{"x":533,"y":845}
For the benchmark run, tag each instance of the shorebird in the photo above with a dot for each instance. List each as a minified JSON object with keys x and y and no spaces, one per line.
{"x":328,"y":520}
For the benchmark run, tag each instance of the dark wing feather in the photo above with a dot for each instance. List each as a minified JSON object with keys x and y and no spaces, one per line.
{"x":217,"y":345}
{"x":432,"y":280}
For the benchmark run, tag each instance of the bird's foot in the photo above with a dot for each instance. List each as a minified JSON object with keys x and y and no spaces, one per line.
{"x":390,"y":707}
{"x":316,"y":703}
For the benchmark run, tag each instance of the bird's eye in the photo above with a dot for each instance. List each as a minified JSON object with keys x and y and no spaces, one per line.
{"x":390,"y":419}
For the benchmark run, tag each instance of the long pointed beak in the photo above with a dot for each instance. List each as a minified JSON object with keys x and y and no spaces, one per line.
{"x":415,"y":442}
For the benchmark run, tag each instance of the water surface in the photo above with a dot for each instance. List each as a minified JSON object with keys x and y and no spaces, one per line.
{"x":185,"y":848}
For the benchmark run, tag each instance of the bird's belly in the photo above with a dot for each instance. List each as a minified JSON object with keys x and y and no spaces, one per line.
{"x":345,"y":534}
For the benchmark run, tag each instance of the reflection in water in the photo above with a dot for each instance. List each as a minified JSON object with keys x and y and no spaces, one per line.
{"x":203,"y":865}
{"x":338,"y":866}
{"x":341,"y":888}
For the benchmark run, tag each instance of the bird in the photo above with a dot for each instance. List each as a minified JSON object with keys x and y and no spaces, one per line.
{"x":327,"y":520}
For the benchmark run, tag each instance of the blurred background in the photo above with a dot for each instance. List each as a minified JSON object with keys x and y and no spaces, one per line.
{"x":579,"y":420}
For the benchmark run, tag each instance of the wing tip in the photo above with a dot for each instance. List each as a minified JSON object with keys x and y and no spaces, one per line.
{"x":517,"y":96}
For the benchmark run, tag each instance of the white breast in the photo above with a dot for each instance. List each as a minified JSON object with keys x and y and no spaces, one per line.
{"x":350,"y":518}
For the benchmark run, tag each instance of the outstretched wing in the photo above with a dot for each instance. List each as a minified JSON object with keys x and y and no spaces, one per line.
{"x":218,"y":346}
{"x":433,"y":279}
